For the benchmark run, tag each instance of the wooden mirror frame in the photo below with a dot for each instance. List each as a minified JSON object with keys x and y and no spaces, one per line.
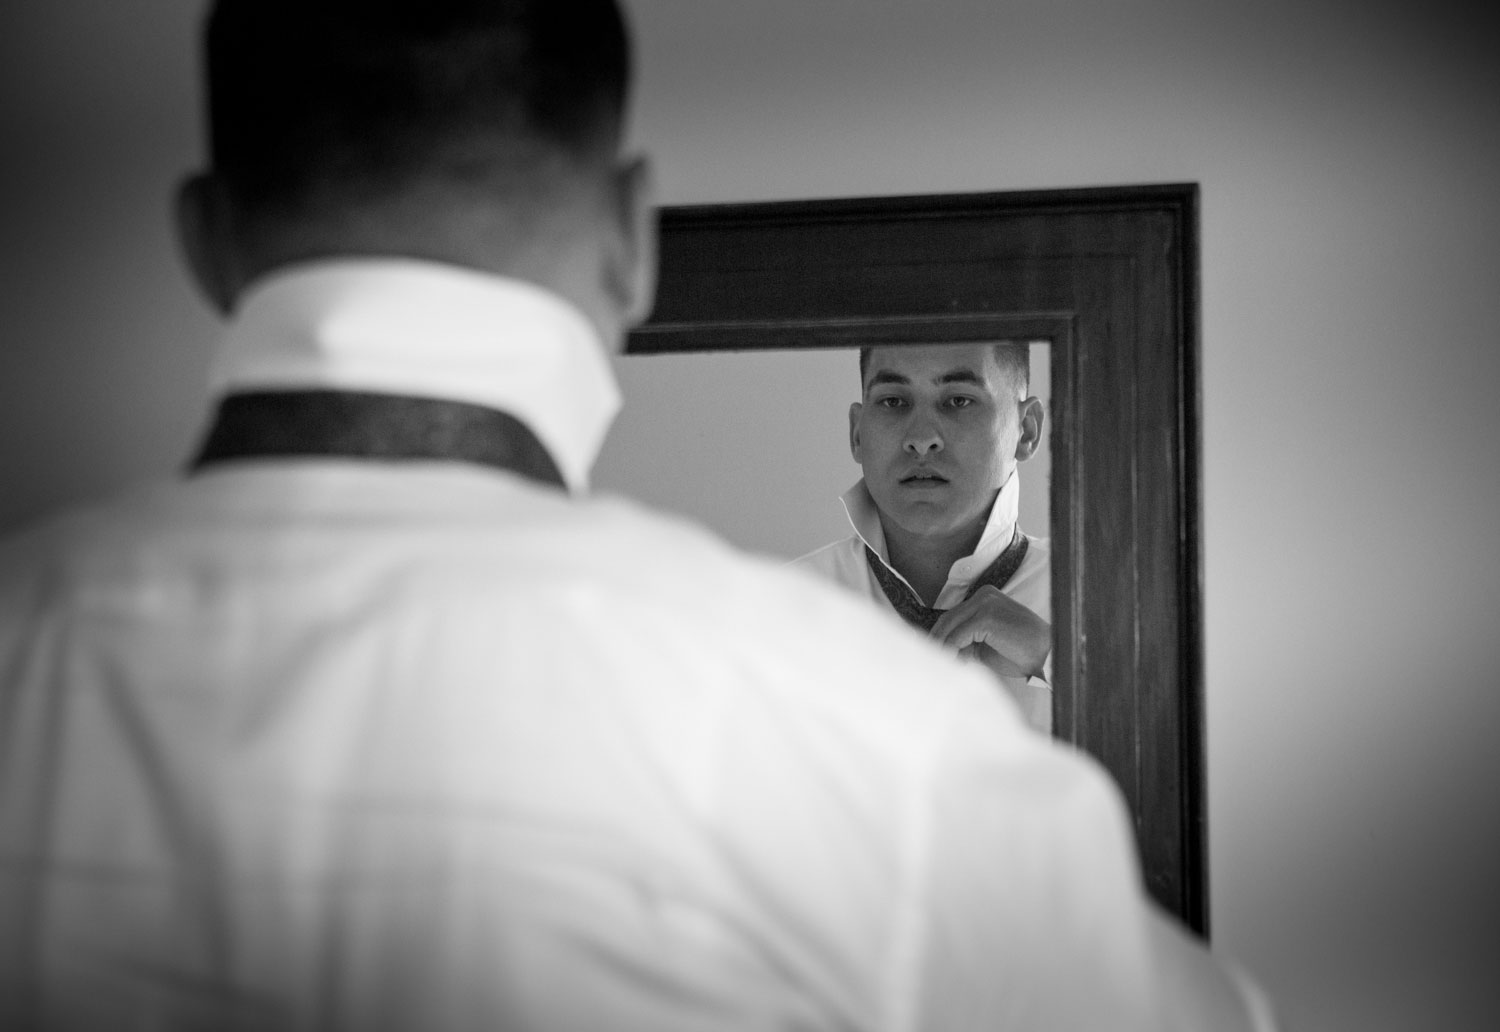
{"x":1110,"y":277}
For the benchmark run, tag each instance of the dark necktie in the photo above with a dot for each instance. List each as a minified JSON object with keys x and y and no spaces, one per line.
{"x":356,"y":424}
{"x":915,"y":612}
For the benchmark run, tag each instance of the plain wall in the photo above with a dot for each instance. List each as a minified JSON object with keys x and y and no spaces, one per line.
{"x":1351,"y":241}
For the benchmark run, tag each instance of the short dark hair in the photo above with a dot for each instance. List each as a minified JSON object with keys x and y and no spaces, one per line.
{"x":361,"y":94}
{"x":1013,"y":357}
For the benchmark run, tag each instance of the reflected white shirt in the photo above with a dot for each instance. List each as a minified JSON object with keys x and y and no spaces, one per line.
{"x":343,"y":744}
{"x":844,"y":563}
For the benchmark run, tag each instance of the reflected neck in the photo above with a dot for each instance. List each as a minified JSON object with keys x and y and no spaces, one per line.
{"x":926,"y":559}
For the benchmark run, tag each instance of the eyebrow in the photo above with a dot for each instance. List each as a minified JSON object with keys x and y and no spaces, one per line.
{"x":962,"y":376}
{"x":883,"y":376}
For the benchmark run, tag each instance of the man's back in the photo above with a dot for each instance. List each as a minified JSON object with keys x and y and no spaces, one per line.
{"x":347,"y":744}
{"x":400,"y":740}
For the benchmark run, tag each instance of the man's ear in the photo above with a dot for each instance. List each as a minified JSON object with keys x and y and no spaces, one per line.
{"x":1033,"y":417}
{"x":205,"y":231}
{"x":632,"y":272}
{"x":854,"y":450}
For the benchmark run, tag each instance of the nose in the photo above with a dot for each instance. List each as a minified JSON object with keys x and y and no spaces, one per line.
{"x":922,"y":438}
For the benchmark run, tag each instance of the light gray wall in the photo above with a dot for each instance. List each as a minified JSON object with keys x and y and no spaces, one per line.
{"x":1351,"y":240}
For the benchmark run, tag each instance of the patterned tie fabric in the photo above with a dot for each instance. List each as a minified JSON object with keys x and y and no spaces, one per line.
{"x":922,"y":616}
{"x":356,"y":424}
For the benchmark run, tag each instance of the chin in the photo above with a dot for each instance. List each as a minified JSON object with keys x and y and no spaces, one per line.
{"x":914,"y":520}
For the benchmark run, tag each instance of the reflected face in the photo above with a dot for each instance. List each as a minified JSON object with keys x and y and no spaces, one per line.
{"x":937,"y":435}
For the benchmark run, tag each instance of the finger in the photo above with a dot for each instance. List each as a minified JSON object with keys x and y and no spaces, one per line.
{"x":992,"y":660}
{"x":944,"y":624}
{"x":975,"y":605}
{"x":959,"y":627}
{"x":948,"y":623}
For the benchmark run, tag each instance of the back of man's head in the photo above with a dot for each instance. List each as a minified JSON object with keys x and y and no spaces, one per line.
{"x":318,"y":104}
{"x":482,"y":133}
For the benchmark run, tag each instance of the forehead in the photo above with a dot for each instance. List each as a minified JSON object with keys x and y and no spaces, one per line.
{"x":935,"y":363}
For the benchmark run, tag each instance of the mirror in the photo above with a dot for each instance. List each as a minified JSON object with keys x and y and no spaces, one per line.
{"x":1108,"y":277}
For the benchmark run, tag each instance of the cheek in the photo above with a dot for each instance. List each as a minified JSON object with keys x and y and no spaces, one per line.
{"x":875,"y":442}
{"x":1005,"y":435}
{"x":984,"y":457}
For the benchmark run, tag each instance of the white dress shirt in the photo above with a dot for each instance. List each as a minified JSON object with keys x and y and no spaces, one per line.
{"x":427,"y":330}
{"x":326,"y":743}
{"x":844,"y":563}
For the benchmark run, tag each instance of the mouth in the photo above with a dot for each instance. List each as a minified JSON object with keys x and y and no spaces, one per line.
{"x":924,"y":478}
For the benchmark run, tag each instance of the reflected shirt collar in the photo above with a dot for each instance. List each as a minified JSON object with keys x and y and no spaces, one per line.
{"x":864,"y":517}
{"x":427,"y":329}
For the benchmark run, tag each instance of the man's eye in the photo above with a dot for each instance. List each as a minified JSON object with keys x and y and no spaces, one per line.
{"x":959,"y":401}
{"x":891,"y":401}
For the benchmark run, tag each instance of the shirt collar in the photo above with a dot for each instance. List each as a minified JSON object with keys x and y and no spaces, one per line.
{"x":404,"y":326}
{"x":999,"y":529}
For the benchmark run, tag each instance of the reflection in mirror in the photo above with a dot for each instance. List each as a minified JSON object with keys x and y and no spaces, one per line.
{"x":756,"y":445}
{"x":1036,"y":472}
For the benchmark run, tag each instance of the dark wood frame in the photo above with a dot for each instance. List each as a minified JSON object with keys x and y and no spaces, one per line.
{"x":1110,"y":277}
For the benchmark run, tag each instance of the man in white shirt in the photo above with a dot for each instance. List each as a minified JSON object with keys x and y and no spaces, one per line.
{"x":939,"y":433}
{"x":376,"y":720}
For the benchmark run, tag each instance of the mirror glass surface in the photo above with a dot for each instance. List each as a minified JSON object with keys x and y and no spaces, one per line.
{"x":755,"y":444}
